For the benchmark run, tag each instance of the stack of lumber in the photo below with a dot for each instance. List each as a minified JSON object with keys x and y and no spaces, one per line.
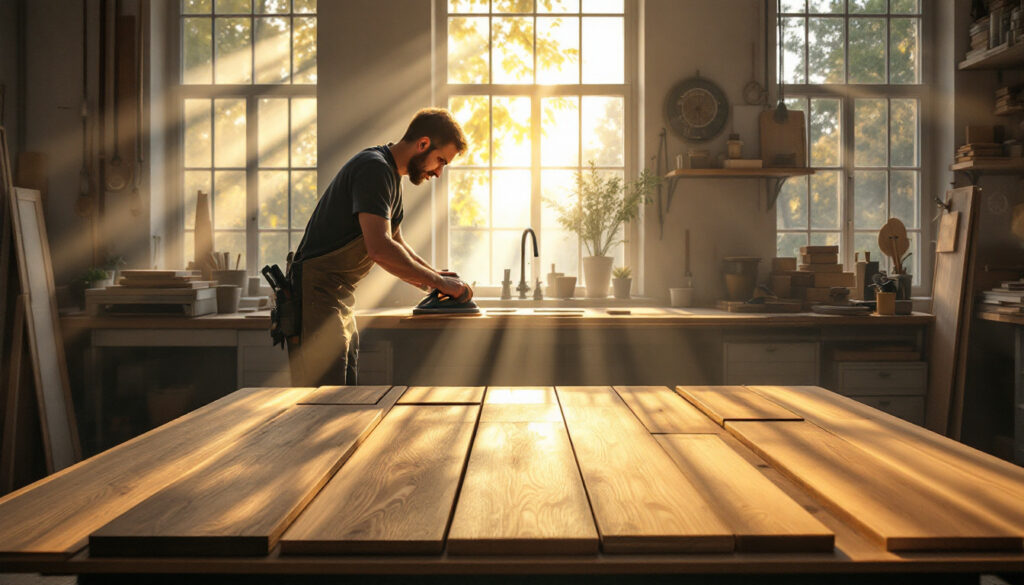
{"x":815,"y":278}
{"x":1008,"y":297}
{"x":163,"y":292}
{"x":156,"y":279}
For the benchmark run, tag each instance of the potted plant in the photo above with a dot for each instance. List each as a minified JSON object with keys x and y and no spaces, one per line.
{"x":113,"y":266}
{"x":604,"y":203}
{"x":621,"y":282}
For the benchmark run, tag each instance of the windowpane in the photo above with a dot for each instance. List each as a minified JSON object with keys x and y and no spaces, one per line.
{"x":560,"y":131}
{"x":273,"y":248}
{"x":904,"y":6}
{"x":273,"y":132}
{"x":234,"y":50}
{"x":469,"y":254}
{"x":825,"y":6}
{"x":272,"y":6}
{"x":304,"y":132}
{"x":196,"y":6}
{"x":229,"y":199}
{"x":511,"y":199}
{"x":505,"y":254}
{"x":513,"y":49}
{"x":825,"y":53}
{"x":793,"y":65}
{"x":791,"y":206}
{"x":869,"y":189}
{"x":273,"y":40}
{"x":903,"y":133}
{"x":273,"y":199}
{"x":194,"y":181}
{"x":468,"y":50}
{"x":867,"y":6}
{"x":511,"y":121}
{"x":603,"y":6}
{"x":870,"y":122}
{"x":304,"y":196}
{"x":468,"y":198}
{"x":197,"y":133}
{"x":514,"y":6}
{"x":471,"y":112}
{"x":788,"y":244}
{"x":867,"y":50}
{"x":229,"y":133}
{"x":825,"y":200}
{"x":458,"y":6}
{"x":868,"y":242}
{"x":304,"y":47}
{"x":824,"y":238}
{"x":557,"y":187}
{"x":234,"y":244}
{"x":558,"y":50}
{"x":906,"y":198}
{"x":233,"y":6}
{"x":603,"y":48}
{"x":560,"y":248}
{"x":558,"y":6}
{"x":304,"y":6}
{"x":603,"y":136}
{"x":197,"y":51}
{"x":825,"y":136}
{"x":904,"y":50}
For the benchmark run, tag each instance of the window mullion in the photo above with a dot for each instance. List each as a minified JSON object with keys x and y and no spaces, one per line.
{"x":251,"y":184}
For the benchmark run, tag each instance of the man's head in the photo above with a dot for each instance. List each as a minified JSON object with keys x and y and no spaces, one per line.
{"x":436,"y":139}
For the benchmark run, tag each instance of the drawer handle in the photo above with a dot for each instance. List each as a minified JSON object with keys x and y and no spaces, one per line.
{"x":884,"y":374}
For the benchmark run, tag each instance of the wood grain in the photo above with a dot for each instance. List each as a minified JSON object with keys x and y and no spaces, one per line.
{"x":884,"y":502}
{"x":443,"y":395}
{"x":521,"y":404}
{"x":346,"y":395}
{"x":724,"y":403}
{"x":395,"y":495}
{"x":53,"y":517}
{"x":762,"y":517}
{"x":241,"y":502}
{"x":641,"y":501}
{"x":580,"y":396}
{"x":663,"y":411}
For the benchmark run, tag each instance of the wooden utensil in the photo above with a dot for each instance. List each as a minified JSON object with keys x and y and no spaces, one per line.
{"x":892,"y":241}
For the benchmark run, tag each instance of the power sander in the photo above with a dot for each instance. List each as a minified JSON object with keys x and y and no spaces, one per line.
{"x":438,"y":303}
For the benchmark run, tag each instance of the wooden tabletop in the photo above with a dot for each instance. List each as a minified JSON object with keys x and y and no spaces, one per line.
{"x":456,"y":480}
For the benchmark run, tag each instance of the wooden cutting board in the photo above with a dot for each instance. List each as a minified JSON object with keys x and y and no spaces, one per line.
{"x":783,"y":144}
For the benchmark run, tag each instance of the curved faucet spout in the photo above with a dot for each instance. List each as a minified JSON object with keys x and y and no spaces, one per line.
{"x":523,"y":288}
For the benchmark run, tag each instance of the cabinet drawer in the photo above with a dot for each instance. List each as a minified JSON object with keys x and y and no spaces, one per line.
{"x":883,"y":378}
{"x":771,"y":352}
{"x":770,"y":373}
{"x":909,"y":408}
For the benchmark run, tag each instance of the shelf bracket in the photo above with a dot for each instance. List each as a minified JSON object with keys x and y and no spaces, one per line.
{"x":670,"y":190}
{"x":773,"y":194}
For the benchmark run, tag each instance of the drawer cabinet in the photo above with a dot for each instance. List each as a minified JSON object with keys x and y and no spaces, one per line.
{"x":897,"y":388}
{"x":260,"y":363}
{"x":790,"y":363}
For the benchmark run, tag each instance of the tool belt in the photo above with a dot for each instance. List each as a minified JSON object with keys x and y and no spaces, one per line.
{"x":286,"y":316}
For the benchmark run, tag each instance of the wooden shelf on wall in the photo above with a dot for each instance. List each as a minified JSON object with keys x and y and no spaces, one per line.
{"x":1002,"y":57}
{"x":974,"y":169}
{"x":778,"y":175}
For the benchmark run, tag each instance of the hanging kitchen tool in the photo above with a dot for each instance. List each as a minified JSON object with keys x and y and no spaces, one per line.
{"x":781,"y":113}
{"x":753,"y":92}
{"x":84,"y":204}
{"x":892,"y":240}
{"x":118,"y":174}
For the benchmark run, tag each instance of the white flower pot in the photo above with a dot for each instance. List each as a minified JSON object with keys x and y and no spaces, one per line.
{"x":597,"y":273}
{"x":621,"y":287}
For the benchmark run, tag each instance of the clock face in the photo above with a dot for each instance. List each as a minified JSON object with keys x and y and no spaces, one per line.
{"x":696,"y":109}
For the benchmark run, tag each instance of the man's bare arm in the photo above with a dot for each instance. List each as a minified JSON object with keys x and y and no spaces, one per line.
{"x":393,"y":257}
{"x":398,"y":238}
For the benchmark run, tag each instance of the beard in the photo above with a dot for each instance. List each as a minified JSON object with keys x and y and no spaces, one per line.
{"x":415,"y":167}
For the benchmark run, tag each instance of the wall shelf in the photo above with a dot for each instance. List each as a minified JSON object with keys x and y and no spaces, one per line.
{"x":974,"y":169}
{"x":1001,"y":57}
{"x":778,"y":175}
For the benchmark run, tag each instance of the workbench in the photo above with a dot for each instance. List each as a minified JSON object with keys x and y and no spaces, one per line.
{"x":779,"y":482}
{"x":1017,"y":321}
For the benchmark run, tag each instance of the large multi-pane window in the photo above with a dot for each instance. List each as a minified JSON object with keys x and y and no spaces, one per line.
{"x":248,"y":84}
{"x":854,"y":68}
{"x":539,"y":87}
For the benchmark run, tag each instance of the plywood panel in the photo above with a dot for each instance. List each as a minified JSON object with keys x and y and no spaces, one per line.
{"x":762,"y":516}
{"x":395,"y":495}
{"x":521,"y":404}
{"x":54,"y":517}
{"x":241,"y":502}
{"x":577,"y":396}
{"x":663,"y":411}
{"x":443,"y":395}
{"x":724,"y":403}
{"x":641,"y":501}
{"x":885,"y":503}
{"x":346,"y":395}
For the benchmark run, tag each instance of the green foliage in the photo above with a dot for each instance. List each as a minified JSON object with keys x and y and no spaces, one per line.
{"x":622,"y":272}
{"x":604,"y":203}
{"x":93,"y":274}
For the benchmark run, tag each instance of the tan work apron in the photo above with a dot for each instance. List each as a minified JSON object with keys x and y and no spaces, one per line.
{"x":329,"y":337}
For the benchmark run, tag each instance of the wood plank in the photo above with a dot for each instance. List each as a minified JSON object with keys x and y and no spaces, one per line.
{"x":663,"y":411}
{"x":395,"y":495}
{"x":641,"y":501}
{"x":881,"y":500}
{"x":53,"y":518}
{"x":241,"y":502}
{"x":522,"y":493}
{"x":443,"y":395}
{"x":762,"y":516}
{"x":724,"y":403}
{"x":346,"y":395}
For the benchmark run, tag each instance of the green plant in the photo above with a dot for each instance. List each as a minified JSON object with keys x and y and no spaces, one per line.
{"x":622,"y":272}
{"x":605,"y":202}
{"x":93,"y":274}
{"x":114,"y":262}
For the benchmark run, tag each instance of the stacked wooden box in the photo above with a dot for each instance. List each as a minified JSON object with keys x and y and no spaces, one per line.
{"x":813,"y":278}
{"x":150,"y":292}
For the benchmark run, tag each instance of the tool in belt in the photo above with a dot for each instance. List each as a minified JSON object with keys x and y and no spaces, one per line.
{"x":286,"y":316}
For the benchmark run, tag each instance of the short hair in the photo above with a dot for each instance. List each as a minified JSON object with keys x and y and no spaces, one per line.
{"x":438,"y":125}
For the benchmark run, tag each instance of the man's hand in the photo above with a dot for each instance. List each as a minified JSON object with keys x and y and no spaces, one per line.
{"x":454,"y":286}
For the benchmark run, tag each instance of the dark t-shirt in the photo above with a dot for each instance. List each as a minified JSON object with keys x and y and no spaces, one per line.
{"x":368,"y":183}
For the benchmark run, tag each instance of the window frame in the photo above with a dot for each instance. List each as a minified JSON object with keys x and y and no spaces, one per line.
{"x":442,"y":91}
{"x":847,"y":93}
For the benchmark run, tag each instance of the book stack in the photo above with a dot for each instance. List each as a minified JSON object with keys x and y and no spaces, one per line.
{"x":1009,"y":100}
{"x":987,"y":153}
{"x":1008,"y":297}
{"x":979,"y":37}
{"x":823,"y":274}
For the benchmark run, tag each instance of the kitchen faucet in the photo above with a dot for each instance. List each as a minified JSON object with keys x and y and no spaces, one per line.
{"x":523,"y":288}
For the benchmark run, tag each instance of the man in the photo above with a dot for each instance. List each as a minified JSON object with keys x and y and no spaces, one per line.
{"x":355,"y":225}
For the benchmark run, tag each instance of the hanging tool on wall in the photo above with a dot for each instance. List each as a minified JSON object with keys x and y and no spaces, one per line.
{"x":119,"y":174}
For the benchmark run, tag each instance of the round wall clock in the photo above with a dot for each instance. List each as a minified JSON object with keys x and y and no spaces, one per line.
{"x":696,"y":109}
